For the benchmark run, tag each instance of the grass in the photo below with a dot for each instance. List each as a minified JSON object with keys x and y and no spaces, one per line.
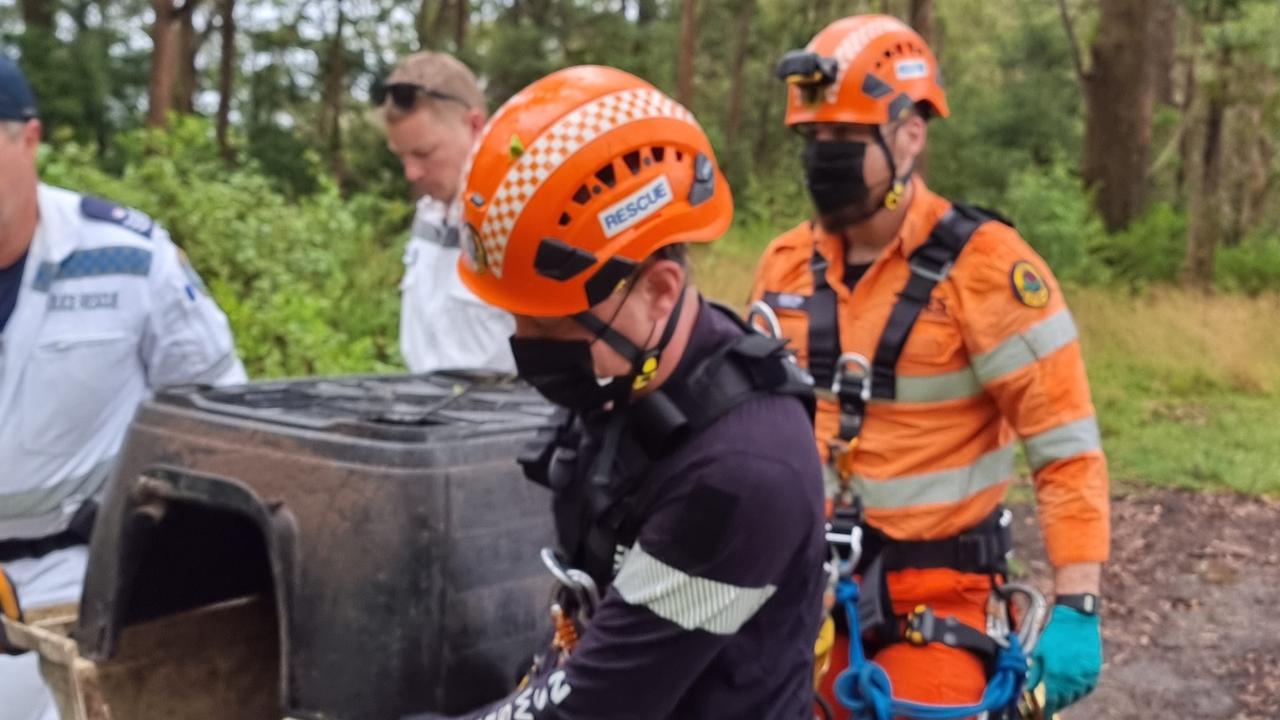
{"x":1187,"y":386}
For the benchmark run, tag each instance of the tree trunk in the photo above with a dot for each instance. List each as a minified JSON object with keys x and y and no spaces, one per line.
{"x":1164,"y":49}
{"x":646,"y":11}
{"x":38,"y":14}
{"x":334,"y":82}
{"x":185,"y":79}
{"x":425,"y":25}
{"x":462,"y":14}
{"x":688,"y":46}
{"x":742,"y":42}
{"x":921,"y":19}
{"x":226,"y":77}
{"x":163,"y":62}
{"x":1120,"y":100}
{"x":1204,"y":178}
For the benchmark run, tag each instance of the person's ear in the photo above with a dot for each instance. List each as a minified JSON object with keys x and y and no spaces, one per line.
{"x":31,"y":134}
{"x":660,"y":288}
{"x":912,"y":136}
{"x":475,"y":121}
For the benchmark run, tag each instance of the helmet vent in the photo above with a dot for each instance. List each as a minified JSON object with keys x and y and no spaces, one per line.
{"x":658,"y":153}
{"x":565,"y":219}
{"x":607,"y":176}
{"x":583,"y":196}
{"x":632,"y":159}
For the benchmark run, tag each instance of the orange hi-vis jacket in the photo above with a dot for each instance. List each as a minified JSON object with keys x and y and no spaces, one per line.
{"x":992,"y":358}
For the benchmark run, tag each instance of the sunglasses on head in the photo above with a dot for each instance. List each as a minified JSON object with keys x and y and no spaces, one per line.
{"x":405,"y":95}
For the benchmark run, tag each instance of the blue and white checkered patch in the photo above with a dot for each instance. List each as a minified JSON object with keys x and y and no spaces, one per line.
{"x":93,"y":263}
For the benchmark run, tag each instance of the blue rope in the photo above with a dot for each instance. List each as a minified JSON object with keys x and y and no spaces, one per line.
{"x":864,"y":687}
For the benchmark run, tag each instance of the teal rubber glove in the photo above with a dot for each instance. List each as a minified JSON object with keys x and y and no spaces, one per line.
{"x":1068,"y":658}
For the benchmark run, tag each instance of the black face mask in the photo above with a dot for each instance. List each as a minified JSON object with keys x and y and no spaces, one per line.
{"x":833,"y":171}
{"x":564,"y":372}
{"x":835,"y":174}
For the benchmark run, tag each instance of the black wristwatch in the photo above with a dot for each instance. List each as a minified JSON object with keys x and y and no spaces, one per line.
{"x":1087,"y":603}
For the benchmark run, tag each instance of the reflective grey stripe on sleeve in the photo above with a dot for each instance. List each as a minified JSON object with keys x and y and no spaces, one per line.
{"x":1064,"y":441}
{"x":1024,"y":348}
{"x":217,"y":371}
{"x":693,"y":603}
{"x":944,"y":486}
{"x":956,"y":385}
{"x":46,"y":510}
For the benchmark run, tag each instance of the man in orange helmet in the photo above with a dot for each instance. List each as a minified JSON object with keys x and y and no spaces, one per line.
{"x":937,"y":338}
{"x":686,"y":484}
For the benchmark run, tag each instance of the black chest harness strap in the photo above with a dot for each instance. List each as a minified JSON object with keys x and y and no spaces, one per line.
{"x":930,"y":264}
{"x":603,"y":482}
{"x":824,"y":325}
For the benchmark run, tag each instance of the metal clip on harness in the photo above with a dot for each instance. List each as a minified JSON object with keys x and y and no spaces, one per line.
{"x":580,"y":588}
{"x":760,"y":310}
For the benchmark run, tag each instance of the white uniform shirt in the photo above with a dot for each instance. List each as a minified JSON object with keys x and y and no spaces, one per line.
{"x":108,"y":311}
{"x":442,"y":324}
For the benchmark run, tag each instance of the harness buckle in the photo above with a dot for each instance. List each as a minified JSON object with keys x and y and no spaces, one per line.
{"x":937,"y":276}
{"x":920,"y":627}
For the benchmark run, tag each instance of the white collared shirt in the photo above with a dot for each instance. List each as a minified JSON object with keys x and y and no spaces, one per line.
{"x":443,"y":325}
{"x":108,"y":311}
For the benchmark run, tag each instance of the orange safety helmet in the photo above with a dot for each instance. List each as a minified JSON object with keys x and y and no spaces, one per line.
{"x":865,"y":69}
{"x":578,"y":179}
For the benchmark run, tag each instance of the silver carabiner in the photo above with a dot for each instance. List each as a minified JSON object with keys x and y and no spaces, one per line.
{"x":578,"y":583}
{"x":853,"y":540}
{"x":1030,"y":625}
{"x":760,"y":310}
{"x":862,"y":374}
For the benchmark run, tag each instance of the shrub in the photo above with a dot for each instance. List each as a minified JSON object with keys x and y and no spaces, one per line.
{"x":1251,"y":267}
{"x":1054,"y":214}
{"x":309,"y":283}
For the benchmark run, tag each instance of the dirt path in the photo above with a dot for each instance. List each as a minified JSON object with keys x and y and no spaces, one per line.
{"x":1191,"y":620}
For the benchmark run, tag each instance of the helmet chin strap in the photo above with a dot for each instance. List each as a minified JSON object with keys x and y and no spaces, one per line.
{"x":644,"y":362}
{"x":898,"y":187}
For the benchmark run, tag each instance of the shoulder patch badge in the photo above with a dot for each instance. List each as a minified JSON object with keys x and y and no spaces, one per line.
{"x":195,"y":284}
{"x":107,"y":211}
{"x":1028,"y":286}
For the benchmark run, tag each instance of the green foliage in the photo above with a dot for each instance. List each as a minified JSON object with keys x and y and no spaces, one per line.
{"x":1053,"y":213}
{"x":1150,"y":250}
{"x":1056,"y":216}
{"x":1015,"y":104}
{"x":308,"y":283}
{"x":1252,"y":267}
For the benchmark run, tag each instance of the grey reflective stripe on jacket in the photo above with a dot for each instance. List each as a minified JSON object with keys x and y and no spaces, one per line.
{"x":1062,"y":442}
{"x":1024,"y":348}
{"x":692,"y":602}
{"x":944,"y":486}
{"x":956,"y":385}
{"x":45,"y":511}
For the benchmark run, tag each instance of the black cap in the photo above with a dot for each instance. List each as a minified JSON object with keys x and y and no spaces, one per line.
{"x":16,"y":100}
